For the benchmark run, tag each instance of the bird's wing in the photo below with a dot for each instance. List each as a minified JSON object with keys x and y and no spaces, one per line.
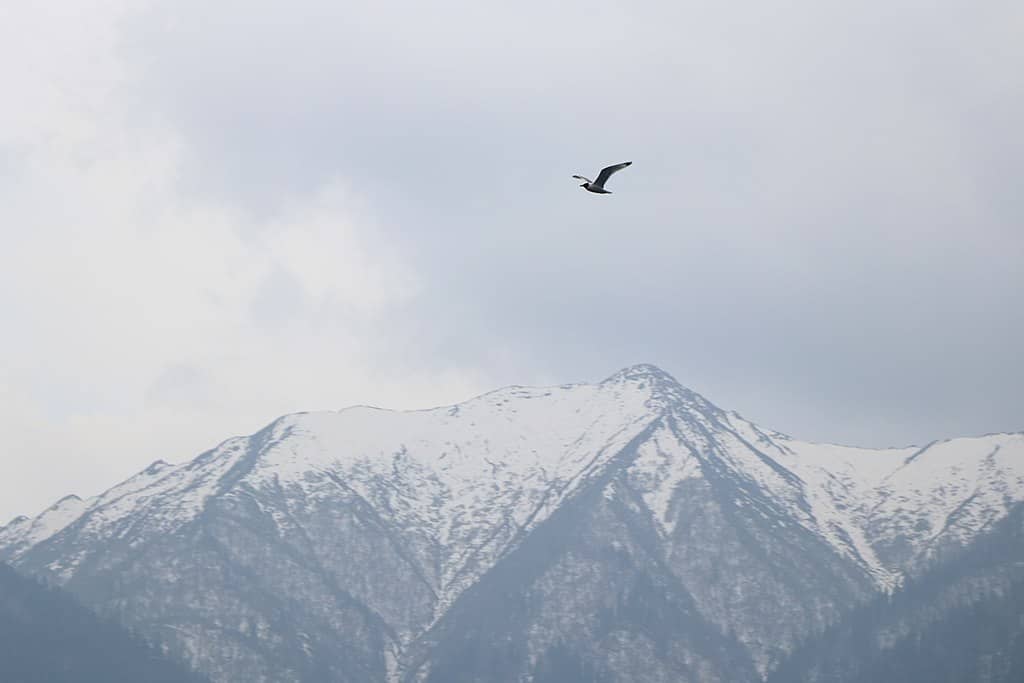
{"x":606,"y":173}
{"x":579,"y":177}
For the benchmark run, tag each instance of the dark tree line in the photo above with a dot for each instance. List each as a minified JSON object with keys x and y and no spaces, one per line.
{"x":47,"y":636}
{"x":979,"y":642}
{"x":961,"y":623}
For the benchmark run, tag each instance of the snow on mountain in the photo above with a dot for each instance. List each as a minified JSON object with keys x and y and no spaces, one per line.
{"x":897,"y":506}
{"x":510,"y":456}
{"x":363,"y":500}
{"x":467,"y":479}
{"x":23,"y":533}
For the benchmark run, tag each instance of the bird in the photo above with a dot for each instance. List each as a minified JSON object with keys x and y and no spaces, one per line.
{"x":597,"y":186}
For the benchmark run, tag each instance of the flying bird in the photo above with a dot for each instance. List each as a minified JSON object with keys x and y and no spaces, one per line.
{"x":597,"y":186}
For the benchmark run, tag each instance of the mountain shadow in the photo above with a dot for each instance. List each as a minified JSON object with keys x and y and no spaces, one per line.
{"x":48,"y":637}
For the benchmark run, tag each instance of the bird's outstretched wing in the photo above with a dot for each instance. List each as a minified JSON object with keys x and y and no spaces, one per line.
{"x":606,"y":173}
{"x":579,"y":177}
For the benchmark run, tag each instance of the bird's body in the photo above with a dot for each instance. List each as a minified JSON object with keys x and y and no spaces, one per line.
{"x":597,"y":186}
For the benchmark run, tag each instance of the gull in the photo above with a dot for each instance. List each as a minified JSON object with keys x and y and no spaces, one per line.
{"x":602,"y":178}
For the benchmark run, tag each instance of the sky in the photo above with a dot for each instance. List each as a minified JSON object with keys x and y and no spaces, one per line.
{"x":212,"y":214}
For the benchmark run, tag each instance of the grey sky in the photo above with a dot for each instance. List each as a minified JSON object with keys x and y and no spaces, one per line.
{"x":212,"y":215}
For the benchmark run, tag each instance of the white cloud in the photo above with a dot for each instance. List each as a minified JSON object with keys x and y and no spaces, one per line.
{"x":136,"y":315}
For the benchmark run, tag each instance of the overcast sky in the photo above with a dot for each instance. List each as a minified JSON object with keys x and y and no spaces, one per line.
{"x":212,"y":214}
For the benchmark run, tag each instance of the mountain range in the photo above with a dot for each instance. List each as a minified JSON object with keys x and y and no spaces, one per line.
{"x":628,"y":530}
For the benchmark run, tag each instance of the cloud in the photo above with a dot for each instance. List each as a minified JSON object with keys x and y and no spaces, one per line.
{"x":145,"y":320}
{"x":212,"y":214}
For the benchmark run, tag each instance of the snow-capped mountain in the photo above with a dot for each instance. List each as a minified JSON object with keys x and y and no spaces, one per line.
{"x":626,"y":530}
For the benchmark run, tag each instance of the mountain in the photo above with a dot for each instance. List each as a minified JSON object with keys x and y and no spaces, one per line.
{"x":46,"y":636}
{"x":961,"y":621}
{"x":628,"y":530}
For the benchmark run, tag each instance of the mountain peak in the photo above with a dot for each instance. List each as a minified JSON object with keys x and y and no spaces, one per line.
{"x":156,"y":466}
{"x":665,"y":389}
{"x":643,"y":372}
{"x":20,"y":519}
